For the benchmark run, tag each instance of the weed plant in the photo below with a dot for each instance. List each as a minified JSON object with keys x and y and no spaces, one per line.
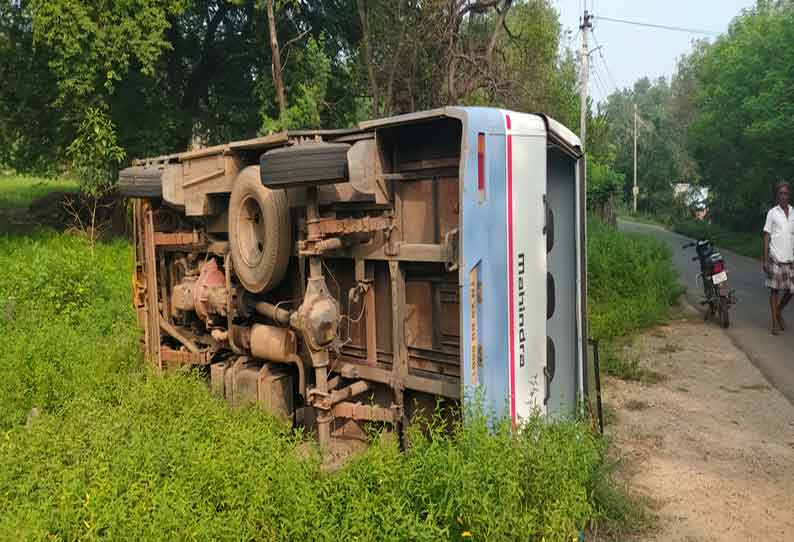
{"x":119,"y":454}
{"x":632,"y":283}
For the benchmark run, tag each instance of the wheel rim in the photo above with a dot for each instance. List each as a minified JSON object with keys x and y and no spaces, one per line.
{"x":251,"y":231}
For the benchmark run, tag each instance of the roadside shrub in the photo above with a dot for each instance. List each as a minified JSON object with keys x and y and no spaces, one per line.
{"x":631,"y":282}
{"x":160,"y":459}
{"x":118,"y":454}
{"x":66,"y":322}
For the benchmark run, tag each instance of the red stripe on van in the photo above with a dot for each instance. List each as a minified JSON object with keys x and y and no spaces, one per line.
{"x":510,"y":270}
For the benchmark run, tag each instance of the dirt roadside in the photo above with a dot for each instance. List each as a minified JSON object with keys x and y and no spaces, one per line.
{"x":711,"y":446}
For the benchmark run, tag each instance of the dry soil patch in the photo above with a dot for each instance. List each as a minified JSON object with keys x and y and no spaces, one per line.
{"x":711,"y":447}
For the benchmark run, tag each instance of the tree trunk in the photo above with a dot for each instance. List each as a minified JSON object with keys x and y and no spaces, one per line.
{"x":500,"y":20}
{"x":365,"y":42}
{"x":275,"y":64}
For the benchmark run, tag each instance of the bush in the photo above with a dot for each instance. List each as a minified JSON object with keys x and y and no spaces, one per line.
{"x":162,"y":460}
{"x":603,"y":181}
{"x":119,"y":454}
{"x":66,"y":322}
{"x":631,"y":282}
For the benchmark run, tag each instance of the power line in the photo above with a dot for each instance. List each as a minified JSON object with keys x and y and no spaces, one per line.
{"x":599,"y":83}
{"x":605,"y":87}
{"x":604,"y":62}
{"x":611,"y":80}
{"x":661,"y":26}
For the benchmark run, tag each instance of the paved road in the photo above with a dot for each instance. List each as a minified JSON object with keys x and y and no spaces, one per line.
{"x":773,"y":355}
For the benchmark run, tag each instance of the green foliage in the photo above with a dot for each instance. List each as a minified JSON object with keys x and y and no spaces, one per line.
{"x":158,"y":458}
{"x":306,"y":89}
{"x":65,"y":320}
{"x":548,"y":80}
{"x":660,"y":146}
{"x":724,"y":122}
{"x":120,"y":454}
{"x":631,"y":282}
{"x":168,"y":74}
{"x":95,"y":153}
{"x":165,"y":73}
{"x":94,"y":44}
{"x":742,"y":136}
{"x":603,"y":181}
{"x":29,"y":133}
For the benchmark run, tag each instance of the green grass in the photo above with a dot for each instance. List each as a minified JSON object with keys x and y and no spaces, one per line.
{"x":744,"y":243}
{"x":632,"y":284}
{"x":20,"y":191}
{"x":119,"y":454}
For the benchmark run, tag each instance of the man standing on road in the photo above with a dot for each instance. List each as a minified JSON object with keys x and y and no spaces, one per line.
{"x":778,"y":261}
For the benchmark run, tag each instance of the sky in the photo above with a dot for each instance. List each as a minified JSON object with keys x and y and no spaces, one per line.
{"x":631,"y":52}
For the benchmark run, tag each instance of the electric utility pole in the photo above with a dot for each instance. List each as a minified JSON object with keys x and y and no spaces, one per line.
{"x":636,"y":189}
{"x":587,"y":24}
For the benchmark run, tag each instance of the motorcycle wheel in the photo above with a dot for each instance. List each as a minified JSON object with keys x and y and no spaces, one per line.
{"x":725,"y":317}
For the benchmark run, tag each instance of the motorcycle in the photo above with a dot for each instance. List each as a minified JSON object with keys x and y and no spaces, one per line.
{"x":714,"y":278}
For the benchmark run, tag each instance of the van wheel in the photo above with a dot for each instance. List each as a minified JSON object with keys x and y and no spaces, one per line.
{"x":259,"y":232}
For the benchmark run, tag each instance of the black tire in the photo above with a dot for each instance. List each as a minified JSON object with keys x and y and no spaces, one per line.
{"x":310,"y":163}
{"x":259,"y":232}
{"x":725,"y":316}
{"x":148,"y":185}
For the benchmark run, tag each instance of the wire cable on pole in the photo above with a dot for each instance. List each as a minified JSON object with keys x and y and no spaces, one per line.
{"x":610,"y":81}
{"x":599,"y":83}
{"x":604,"y":62}
{"x":660,"y":26}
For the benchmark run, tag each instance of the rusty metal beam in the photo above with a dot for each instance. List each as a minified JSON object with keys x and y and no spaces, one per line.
{"x":325,"y":226}
{"x":399,"y":348}
{"x":404,"y":252}
{"x":357,"y":411}
{"x":421,"y":174}
{"x":177,"y":238}
{"x":370,"y":317}
{"x":150,"y":270}
{"x":446,"y":386}
{"x":170,"y":356}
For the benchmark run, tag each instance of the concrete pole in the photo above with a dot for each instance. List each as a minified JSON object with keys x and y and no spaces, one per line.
{"x":585,"y":73}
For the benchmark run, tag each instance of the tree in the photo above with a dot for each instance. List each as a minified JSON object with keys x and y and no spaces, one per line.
{"x":419,"y":55}
{"x":742,"y":135}
{"x":657,"y":148}
{"x":89,"y":49}
{"x":539,"y":74}
{"x":30,"y":138}
{"x":168,"y":74}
